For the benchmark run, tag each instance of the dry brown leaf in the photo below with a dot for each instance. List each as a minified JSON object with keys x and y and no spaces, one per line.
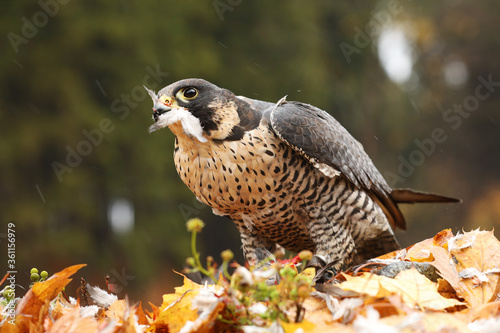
{"x":385,"y":307}
{"x":443,"y":263}
{"x":388,"y":304}
{"x":414,"y":288}
{"x":445,"y":289}
{"x":155,"y":311}
{"x":34,"y":306}
{"x":61,"y":307}
{"x":142,"y":318}
{"x":426,"y":322}
{"x":478,"y":251}
{"x":130,"y":323}
{"x":177,"y":310}
{"x":7,"y":327}
{"x":307,"y":326}
{"x":421,"y":251}
{"x":72,"y":322}
{"x":176,"y":313}
{"x":442,"y":237}
{"x":316,"y":311}
{"x":483,"y":311}
{"x":118,"y":310}
{"x":390,"y":255}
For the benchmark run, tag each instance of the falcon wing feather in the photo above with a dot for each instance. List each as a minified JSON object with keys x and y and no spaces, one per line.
{"x":325,"y":142}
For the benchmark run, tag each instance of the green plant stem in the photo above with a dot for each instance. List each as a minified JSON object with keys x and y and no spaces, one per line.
{"x":196,"y":257}
{"x":224,"y":270}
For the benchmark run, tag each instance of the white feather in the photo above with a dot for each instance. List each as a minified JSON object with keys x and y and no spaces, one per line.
{"x":100,"y":296}
{"x":190,"y":124}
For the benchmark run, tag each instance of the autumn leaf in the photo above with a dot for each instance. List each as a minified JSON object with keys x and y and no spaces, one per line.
{"x":421,"y":251}
{"x":72,"y":322}
{"x":316,"y":311}
{"x":485,"y":311}
{"x":477,"y":254}
{"x":468,"y":264}
{"x":34,"y":305}
{"x":180,"y":310}
{"x":142,"y":318}
{"x":177,"y":312}
{"x":118,"y":310}
{"x":313,"y":327}
{"x":424,"y":322}
{"x":414,"y":288}
{"x":444,"y":264}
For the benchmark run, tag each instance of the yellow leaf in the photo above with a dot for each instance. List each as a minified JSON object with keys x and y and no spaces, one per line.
{"x":484,"y":311}
{"x":419,"y":290}
{"x":414,"y":288}
{"x":420,"y":252}
{"x":316,"y":311}
{"x":479,"y":252}
{"x":443,"y":262}
{"x":177,"y":310}
{"x":305,"y":325}
{"x":309,"y":272}
{"x":179,"y":291}
{"x":117,"y":310}
{"x":174,"y":316}
{"x":72,"y":322}
{"x":427,"y":322}
{"x":188,"y":285}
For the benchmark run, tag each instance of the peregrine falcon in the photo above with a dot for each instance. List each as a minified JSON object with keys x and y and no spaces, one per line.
{"x":288,"y":174}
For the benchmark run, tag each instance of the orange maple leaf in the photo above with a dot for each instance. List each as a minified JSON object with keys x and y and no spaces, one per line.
{"x":34,"y":306}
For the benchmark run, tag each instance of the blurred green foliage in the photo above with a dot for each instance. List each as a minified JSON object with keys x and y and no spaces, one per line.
{"x":82,"y":62}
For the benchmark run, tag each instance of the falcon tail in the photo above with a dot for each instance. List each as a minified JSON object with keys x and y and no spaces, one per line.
{"x":405,"y":195}
{"x":389,"y":204}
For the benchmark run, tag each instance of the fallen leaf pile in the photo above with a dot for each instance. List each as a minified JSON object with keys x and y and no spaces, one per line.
{"x":449,"y":283}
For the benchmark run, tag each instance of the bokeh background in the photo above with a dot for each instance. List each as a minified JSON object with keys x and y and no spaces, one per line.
{"x":416,"y":82}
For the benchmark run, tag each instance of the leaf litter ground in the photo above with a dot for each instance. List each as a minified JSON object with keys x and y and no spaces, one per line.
{"x":465,"y":297}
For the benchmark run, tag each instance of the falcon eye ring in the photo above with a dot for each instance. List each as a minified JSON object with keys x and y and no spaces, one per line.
{"x":189,"y":93}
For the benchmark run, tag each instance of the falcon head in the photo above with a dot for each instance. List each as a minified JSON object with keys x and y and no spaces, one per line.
{"x":201,"y":110}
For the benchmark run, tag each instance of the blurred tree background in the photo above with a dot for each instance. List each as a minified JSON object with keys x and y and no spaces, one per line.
{"x":417,"y":83}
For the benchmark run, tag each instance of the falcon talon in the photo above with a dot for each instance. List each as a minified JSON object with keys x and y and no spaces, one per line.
{"x":288,"y":174}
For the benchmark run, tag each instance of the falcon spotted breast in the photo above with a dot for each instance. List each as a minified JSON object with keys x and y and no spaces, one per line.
{"x":287,"y":173}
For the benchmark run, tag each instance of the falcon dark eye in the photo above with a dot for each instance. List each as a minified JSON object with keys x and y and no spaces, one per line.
{"x":190,"y":93}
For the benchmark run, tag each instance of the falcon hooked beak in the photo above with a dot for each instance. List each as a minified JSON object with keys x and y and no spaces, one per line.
{"x":160,"y":108}
{"x":161,"y":105}
{"x":167,"y":112}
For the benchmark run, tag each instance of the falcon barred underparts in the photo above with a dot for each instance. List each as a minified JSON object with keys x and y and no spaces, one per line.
{"x":287,"y":173}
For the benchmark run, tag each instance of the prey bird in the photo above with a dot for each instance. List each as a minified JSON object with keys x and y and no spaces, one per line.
{"x":287,"y":174}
